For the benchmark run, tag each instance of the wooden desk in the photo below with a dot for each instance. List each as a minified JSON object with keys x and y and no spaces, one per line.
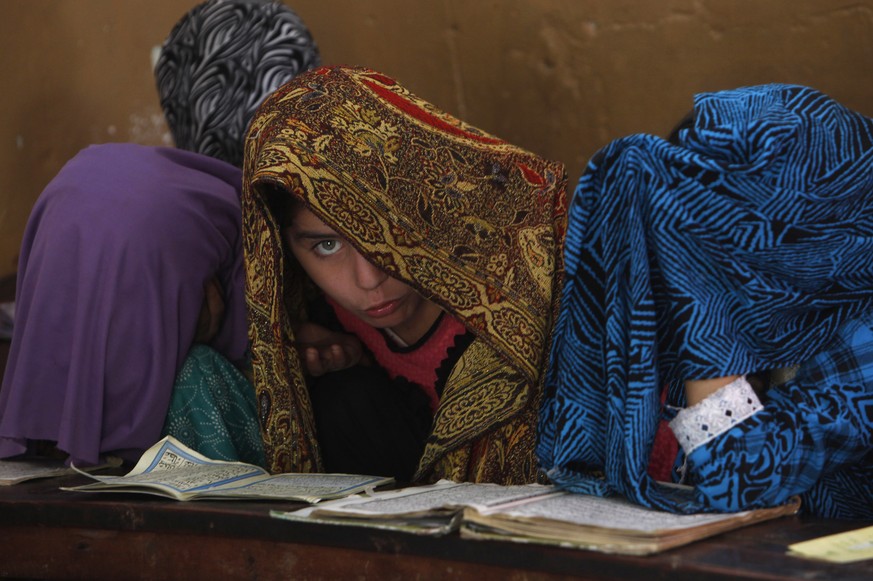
{"x":47,"y":533}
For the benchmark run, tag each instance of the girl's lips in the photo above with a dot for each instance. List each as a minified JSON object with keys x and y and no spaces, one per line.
{"x":384,"y":309}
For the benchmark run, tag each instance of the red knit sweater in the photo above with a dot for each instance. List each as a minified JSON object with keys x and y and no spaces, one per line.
{"x":417,"y":363}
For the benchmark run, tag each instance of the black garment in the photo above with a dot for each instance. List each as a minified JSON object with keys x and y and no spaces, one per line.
{"x":368,"y":424}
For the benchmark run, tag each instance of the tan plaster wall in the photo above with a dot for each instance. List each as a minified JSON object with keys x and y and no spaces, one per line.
{"x":560,"y":77}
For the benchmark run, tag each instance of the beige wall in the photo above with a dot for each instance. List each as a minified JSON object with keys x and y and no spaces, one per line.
{"x":560,"y":77}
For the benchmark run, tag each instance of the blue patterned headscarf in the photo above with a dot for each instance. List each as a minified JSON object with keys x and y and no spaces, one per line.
{"x":741,"y":248}
{"x":220,"y":62}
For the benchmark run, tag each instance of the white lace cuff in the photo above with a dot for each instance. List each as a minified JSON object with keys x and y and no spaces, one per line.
{"x":715,"y":414}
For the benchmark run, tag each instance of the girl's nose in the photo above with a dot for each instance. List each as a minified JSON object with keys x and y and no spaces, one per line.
{"x":367,"y":275}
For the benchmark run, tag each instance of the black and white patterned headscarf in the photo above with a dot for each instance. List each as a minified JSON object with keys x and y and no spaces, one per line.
{"x":219,"y":62}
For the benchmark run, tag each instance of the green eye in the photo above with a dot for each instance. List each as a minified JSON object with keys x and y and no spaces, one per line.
{"x":327,"y":247}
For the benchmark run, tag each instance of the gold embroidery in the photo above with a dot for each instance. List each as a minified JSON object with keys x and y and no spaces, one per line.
{"x":470,"y":221}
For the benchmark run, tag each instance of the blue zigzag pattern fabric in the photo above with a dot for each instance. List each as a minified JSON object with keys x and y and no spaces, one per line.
{"x":814,"y":438}
{"x":743,"y":247}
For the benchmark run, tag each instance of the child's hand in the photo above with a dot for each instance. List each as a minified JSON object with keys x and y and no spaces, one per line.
{"x":323,"y":351}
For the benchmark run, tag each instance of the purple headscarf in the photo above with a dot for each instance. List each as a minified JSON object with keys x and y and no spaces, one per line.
{"x":110,"y":284}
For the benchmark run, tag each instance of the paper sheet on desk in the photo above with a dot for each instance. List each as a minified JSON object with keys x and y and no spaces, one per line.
{"x":845,"y":547}
{"x":22,"y":470}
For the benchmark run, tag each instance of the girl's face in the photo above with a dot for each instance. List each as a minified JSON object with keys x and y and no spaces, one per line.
{"x":349,"y":279}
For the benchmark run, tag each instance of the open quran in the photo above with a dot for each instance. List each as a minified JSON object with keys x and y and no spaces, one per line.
{"x":531,"y":514}
{"x":171,"y":469}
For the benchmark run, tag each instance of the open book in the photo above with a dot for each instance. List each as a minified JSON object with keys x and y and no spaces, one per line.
{"x":424,"y":510}
{"x":171,"y":469}
{"x":530,"y":513}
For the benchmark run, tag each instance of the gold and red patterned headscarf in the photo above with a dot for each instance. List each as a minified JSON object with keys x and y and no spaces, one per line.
{"x":473,"y":223}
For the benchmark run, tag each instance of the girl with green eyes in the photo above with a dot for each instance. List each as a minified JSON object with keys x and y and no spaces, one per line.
{"x":402,"y":273}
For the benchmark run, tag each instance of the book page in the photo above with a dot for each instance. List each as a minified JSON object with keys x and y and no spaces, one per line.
{"x":187,"y":479}
{"x":444,"y":496}
{"x":425,"y":525}
{"x":304,"y":487}
{"x":608,"y":513}
{"x":610,"y":525}
{"x":170,"y":468}
{"x":170,"y":454}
